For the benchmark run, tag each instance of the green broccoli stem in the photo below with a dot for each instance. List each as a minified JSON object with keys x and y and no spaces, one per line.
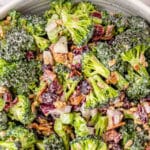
{"x":59,"y":129}
{"x":8,"y":145}
{"x":92,"y":66}
{"x":69,"y":91}
{"x":90,"y":62}
{"x":122,"y":83}
{"x":101,"y":91}
{"x":77,"y":122}
{"x":100,"y":123}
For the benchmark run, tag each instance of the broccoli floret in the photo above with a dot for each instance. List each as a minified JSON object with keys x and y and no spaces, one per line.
{"x":73,"y":19}
{"x":119,"y":20}
{"x":53,"y":142}
{"x":101,"y":92}
{"x":136,"y":22}
{"x":20,"y":135}
{"x":14,"y":16}
{"x":15,"y":45}
{"x":86,"y":143}
{"x":130,"y":132}
{"x":136,"y":58}
{"x":129,"y":39}
{"x":139,"y":86}
{"x":20,"y":76}
{"x":21,"y":111}
{"x":6,"y":145}
{"x":3,"y":120}
{"x":85,"y":7}
{"x":110,"y":58}
{"x":79,"y":25}
{"x":59,"y":129}
{"x":33,"y":24}
{"x":77,"y":122}
{"x":41,"y":42}
{"x":56,"y":7}
{"x":92,"y":66}
{"x":69,"y":83}
{"x":100,"y":123}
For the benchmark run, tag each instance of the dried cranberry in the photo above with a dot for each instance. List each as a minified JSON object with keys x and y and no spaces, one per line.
{"x":46,"y":108}
{"x":84,"y":87}
{"x":142,"y":114}
{"x":98,"y":32}
{"x":80,"y":50}
{"x":77,"y":66}
{"x":55,"y":87}
{"x":7,"y":97}
{"x":29,"y":55}
{"x":48,"y":98}
{"x":96,"y":14}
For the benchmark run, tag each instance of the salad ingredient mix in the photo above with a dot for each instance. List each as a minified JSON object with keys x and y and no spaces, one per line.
{"x":75,"y":78}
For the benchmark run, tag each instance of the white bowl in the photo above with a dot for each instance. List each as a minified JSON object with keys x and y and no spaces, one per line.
{"x":129,"y":7}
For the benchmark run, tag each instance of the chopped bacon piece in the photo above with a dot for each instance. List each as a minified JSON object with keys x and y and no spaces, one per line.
{"x":109,"y":33}
{"x":76,"y":98}
{"x":112,"y":136}
{"x":113,"y":78}
{"x":43,"y":127}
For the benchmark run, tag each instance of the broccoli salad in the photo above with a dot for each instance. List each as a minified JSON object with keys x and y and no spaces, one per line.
{"x":75,"y":78}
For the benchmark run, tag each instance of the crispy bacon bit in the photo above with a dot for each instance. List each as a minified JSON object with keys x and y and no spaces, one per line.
{"x":109,"y":33}
{"x":34,"y":105}
{"x":113,"y":78}
{"x":142,"y":114}
{"x":96,"y":14}
{"x":59,"y":57}
{"x":112,"y":136}
{"x":59,"y":104}
{"x":74,"y":73}
{"x":43,"y":127}
{"x":136,"y":67}
{"x":76,"y":98}
{"x":116,"y":126}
